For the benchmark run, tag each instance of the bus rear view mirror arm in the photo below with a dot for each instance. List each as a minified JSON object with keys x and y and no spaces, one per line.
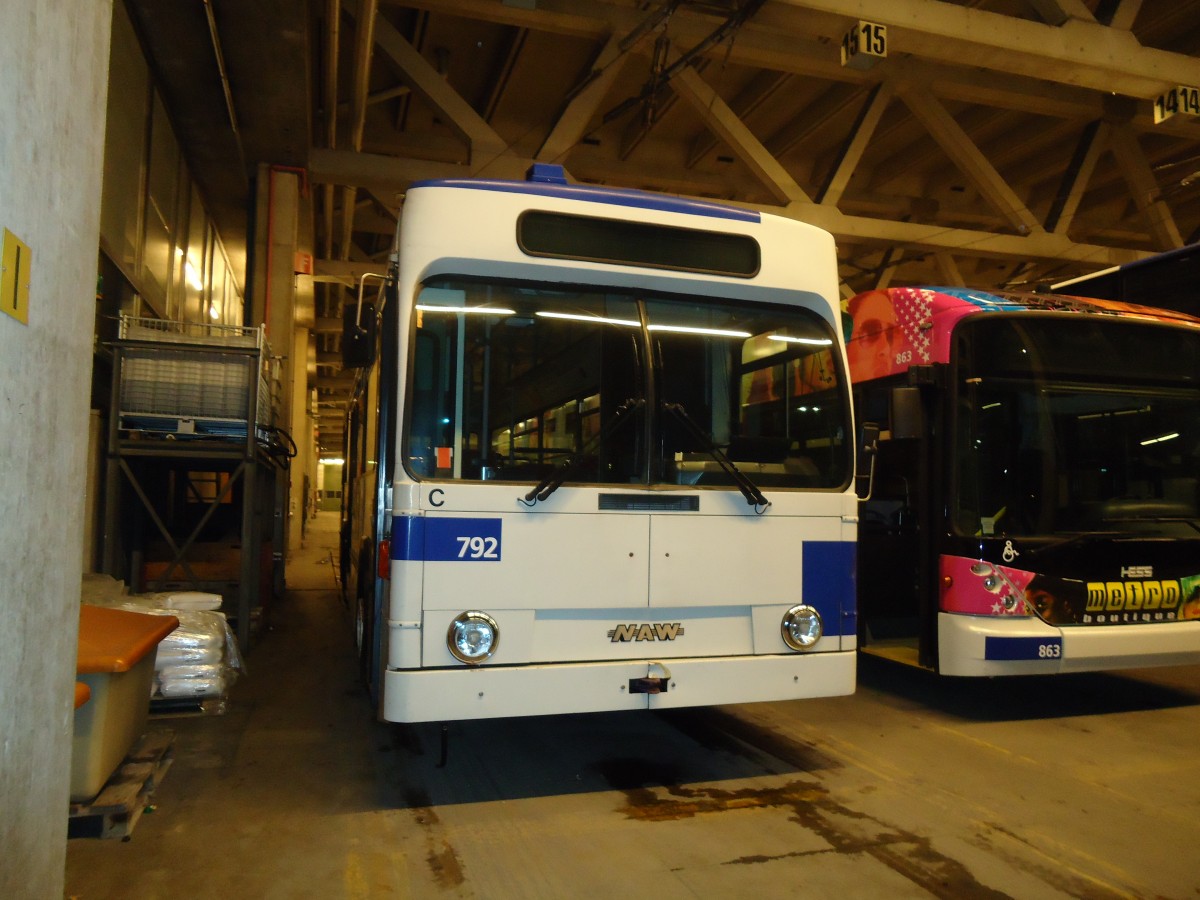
{"x":360,"y":327}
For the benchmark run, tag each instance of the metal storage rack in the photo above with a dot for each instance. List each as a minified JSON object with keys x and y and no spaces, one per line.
{"x":192,"y":448}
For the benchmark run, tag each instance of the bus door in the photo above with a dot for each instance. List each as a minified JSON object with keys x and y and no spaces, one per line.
{"x":896,"y":615}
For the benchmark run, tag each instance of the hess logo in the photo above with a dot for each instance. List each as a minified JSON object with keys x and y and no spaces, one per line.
{"x":656,"y":631}
{"x":1137,"y":571}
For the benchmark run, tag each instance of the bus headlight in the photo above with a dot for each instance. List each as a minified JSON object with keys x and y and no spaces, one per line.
{"x":802,"y":627}
{"x":473,"y":637}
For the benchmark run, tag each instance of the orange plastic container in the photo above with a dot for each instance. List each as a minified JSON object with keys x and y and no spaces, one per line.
{"x":116,"y":663}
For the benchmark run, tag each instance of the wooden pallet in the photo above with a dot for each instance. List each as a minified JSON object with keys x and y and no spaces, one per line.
{"x":125,"y":796}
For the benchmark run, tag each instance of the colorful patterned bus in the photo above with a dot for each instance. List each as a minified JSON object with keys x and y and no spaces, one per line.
{"x":1034,"y":491}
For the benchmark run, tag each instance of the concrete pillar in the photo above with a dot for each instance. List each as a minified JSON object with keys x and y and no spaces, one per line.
{"x":52,"y":113}
{"x":281,"y":216}
{"x":305,"y":463}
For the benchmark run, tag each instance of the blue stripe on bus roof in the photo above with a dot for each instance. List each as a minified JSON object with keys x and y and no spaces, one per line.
{"x":982,"y":299}
{"x":612,"y":196}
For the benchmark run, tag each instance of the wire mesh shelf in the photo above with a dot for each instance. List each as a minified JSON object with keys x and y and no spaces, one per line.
{"x":189,"y":378}
{"x":140,"y":328}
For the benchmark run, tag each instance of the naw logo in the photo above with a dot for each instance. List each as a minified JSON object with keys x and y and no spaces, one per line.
{"x":656,"y":631}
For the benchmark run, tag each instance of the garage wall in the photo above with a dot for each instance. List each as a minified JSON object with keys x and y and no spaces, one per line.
{"x":55,"y":56}
{"x":154,"y":227}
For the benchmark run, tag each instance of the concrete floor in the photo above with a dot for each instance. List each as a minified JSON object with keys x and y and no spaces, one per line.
{"x":1078,"y":786}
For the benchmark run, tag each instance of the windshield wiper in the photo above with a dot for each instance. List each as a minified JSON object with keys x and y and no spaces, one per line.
{"x":552,"y":482}
{"x":1122,"y":535}
{"x":748,"y":488}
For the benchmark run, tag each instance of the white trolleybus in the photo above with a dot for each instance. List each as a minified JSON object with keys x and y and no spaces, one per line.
{"x":1035,"y":505}
{"x":600,"y":457}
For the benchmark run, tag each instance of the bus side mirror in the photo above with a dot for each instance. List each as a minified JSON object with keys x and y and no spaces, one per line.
{"x":868,"y":439}
{"x":360,"y":331}
{"x":868,"y":447}
{"x":907,"y":415}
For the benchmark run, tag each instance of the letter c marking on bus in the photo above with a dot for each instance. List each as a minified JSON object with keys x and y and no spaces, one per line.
{"x":437,"y":493}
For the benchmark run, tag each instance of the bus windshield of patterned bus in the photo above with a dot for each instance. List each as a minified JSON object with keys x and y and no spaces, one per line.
{"x":512,"y":382}
{"x":1072,"y":424}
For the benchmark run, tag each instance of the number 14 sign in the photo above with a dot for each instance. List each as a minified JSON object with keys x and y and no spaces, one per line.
{"x":1180,"y":99}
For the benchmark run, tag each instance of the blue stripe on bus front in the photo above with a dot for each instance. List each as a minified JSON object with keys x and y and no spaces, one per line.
{"x":1014,"y":648}
{"x":634,"y":199}
{"x":828,"y":583}
{"x":451,"y":539}
{"x":408,"y":538}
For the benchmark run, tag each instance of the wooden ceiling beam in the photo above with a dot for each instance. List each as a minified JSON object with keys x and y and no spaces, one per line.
{"x":728,"y":127}
{"x":1077,"y":52}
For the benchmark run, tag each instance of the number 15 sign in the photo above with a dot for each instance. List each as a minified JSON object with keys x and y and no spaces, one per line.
{"x":864,"y":45}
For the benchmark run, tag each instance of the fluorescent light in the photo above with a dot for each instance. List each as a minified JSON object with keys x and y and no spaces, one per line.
{"x":581,"y":317}
{"x":484,"y":310}
{"x":816,"y":342}
{"x":333,"y":461}
{"x":677,"y":329}
{"x":687,"y":329}
{"x":191,"y":276}
{"x":1160,"y":439}
{"x":1118,"y":412}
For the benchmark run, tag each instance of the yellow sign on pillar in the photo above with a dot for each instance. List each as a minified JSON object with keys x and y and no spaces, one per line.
{"x":15,"y":267}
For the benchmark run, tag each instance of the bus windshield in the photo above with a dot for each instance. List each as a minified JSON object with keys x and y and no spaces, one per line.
{"x":1066,"y":424}
{"x":512,"y":381}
